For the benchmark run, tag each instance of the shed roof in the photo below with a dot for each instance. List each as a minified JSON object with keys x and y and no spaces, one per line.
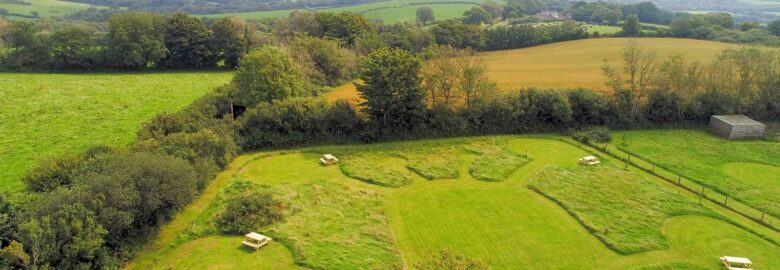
{"x":738,"y":120}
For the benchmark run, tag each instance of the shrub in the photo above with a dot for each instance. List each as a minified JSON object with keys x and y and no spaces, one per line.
{"x":53,"y":173}
{"x":496,"y":164}
{"x":446,"y":260}
{"x":250,"y":211}
{"x":588,"y":107}
{"x":285,"y":123}
{"x":137,"y":192}
{"x":593,"y":135}
{"x":203,"y":144}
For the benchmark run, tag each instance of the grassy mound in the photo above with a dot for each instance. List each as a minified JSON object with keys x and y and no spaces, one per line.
{"x":620,"y":207}
{"x":432,"y":164}
{"x":48,"y":114}
{"x":745,"y":170}
{"x":495,"y":164}
{"x":379,"y":169}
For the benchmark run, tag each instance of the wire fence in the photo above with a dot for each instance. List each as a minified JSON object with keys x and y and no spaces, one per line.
{"x":704,"y":193}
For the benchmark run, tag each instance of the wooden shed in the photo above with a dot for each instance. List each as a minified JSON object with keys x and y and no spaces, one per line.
{"x":736,"y":127}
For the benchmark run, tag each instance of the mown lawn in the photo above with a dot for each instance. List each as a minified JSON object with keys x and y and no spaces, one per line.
{"x":345,"y":223}
{"x":748,"y":171}
{"x":43,"y":115}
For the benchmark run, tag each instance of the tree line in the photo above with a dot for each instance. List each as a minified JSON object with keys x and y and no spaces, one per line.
{"x":132,"y":40}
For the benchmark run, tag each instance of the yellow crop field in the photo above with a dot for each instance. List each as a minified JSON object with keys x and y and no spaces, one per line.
{"x":579,"y":63}
{"x":571,"y":64}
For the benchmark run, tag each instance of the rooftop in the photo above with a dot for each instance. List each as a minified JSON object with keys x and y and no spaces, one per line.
{"x":737,"y":120}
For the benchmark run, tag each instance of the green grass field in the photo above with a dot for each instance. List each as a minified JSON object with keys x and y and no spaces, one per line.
{"x":569,"y":64}
{"x":45,"y":8}
{"x":391,"y":11}
{"x":748,"y":171}
{"x":43,"y":115}
{"x":341,"y":222}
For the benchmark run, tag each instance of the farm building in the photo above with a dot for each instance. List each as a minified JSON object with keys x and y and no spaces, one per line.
{"x":735,"y":127}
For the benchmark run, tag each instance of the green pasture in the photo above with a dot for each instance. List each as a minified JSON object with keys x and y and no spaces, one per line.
{"x":746,"y":171}
{"x":391,"y":11}
{"x":335,"y":221}
{"x":45,"y":8}
{"x":44,"y":115}
{"x":602,"y":29}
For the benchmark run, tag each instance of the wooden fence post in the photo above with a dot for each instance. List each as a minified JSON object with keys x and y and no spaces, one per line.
{"x":679,"y":177}
{"x":762,"y":216}
{"x":726,"y":202}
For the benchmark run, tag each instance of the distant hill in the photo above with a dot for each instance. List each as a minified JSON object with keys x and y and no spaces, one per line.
{"x":752,"y":10}
{"x":221,"y":6}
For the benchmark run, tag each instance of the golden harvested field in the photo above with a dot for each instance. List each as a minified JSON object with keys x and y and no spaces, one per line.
{"x":579,"y":63}
{"x":571,"y":64}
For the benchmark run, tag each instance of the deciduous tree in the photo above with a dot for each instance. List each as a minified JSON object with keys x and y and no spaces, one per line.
{"x":230,"y":39}
{"x":266,"y":74}
{"x":425,"y":15}
{"x":136,"y":39}
{"x":186,"y":40}
{"x":391,"y":87}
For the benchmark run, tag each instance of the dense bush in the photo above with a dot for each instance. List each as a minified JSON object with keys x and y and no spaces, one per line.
{"x":446,"y":260}
{"x":458,"y":34}
{"x":588,"y":107}
{"x":590,"y":135}
{"x":299,"y":121}
{"x":526,"y":35}
{"x":53,"y":173}
{"x":334,"y":64}
{"x":250,"y":211}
